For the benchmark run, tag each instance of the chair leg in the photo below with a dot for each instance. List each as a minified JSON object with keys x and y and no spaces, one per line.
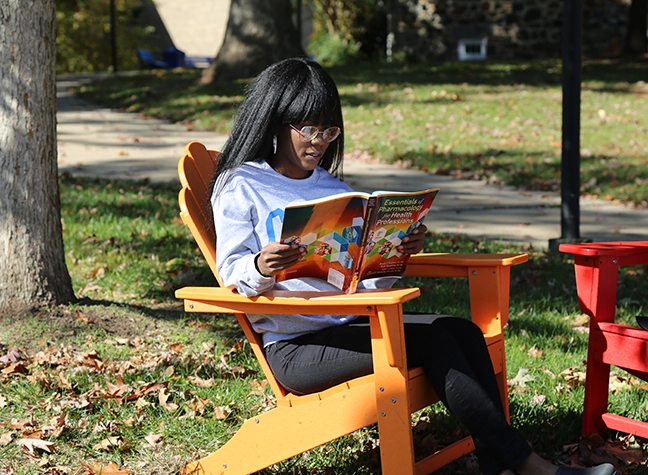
{"x":392,"y":398}
{"x":285,"y":431}
{"x":597,"y":385}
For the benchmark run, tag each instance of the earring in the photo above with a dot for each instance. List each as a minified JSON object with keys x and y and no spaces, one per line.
{"x":274,"y":144}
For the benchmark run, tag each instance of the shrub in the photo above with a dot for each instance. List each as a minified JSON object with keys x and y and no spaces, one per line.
{"x":346,"y":30}
{"x":83,"y":37}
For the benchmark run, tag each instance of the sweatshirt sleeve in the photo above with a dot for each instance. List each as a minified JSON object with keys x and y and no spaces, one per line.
{"x":237,"y":245}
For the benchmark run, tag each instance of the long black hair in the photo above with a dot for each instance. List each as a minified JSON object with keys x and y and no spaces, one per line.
{"x":291,"y":91}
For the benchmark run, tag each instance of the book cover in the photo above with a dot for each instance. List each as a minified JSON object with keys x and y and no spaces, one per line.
{"x":390,"y":216}
{"x":352,"y":236}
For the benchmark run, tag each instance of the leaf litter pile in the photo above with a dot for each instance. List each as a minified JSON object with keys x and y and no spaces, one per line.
{"x":68,"y":409}
{"x":113,"y":405}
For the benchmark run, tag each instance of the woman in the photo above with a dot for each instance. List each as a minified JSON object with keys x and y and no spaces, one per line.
{"x":286,"y":143}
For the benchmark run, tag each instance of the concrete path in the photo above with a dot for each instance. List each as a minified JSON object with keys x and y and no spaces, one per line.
{"x":94,"y":141}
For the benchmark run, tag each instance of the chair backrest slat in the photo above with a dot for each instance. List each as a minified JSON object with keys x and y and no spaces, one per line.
{"x":196,"y":170}
{"x":204,"y":159}
{"x":194,"y":217}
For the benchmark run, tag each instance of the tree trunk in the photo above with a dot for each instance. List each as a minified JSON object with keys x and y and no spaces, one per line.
{"x":636,"y":41}
{"x":32,"y":259}
{"x":259,"y":33}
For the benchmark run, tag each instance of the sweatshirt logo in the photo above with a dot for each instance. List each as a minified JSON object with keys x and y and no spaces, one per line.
{"x":274,"y":222}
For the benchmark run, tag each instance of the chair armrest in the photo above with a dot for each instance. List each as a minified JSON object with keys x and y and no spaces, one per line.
{"x":221,"y":300}
{"x":596,"y":267}
{"x":443,"y":264}
{"x":488,"y":280}
{"x":385,"y":305}
{"x":625,"y":253}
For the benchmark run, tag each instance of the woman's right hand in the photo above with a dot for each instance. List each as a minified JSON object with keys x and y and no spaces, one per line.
{"x":275,"y":257}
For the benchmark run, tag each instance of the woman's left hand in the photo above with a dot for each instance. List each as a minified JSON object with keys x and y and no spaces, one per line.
{"x":413,"y":243}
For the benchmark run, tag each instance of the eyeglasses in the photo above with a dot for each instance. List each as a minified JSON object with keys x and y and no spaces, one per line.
{"x":308,"y":133}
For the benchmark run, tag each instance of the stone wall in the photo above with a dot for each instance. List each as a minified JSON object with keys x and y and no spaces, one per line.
{"x":516,"y":29}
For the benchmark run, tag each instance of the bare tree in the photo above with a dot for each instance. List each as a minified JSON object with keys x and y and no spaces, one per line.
{"x":32,"y":260}
{"x":259,"y":33}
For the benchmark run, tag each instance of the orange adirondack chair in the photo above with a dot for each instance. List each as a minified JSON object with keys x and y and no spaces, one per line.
{"x":597,"y":270}
{"x":387,"y":397}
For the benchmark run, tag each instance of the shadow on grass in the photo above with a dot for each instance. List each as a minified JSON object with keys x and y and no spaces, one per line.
{"x":532,"y":73}
{"x":94,"y":317}
{"x":135,"y":93}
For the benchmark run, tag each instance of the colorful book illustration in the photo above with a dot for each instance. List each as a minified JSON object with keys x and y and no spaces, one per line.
{"x":353,"y":236}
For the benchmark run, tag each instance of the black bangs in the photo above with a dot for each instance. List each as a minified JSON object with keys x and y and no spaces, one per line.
{"x":315,"y":105}
{"x":312,"y":98}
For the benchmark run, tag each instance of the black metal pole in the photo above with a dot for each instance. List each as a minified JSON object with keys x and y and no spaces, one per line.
{"x":570,"y":178}
{"x":113,"y":34}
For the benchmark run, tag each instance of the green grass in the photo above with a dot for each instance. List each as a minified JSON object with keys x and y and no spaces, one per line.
{"x":498,"y":121}
{"x":125,"y":377}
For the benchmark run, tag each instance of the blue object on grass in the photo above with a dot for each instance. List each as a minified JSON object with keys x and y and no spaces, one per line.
{"x":148,"y":61}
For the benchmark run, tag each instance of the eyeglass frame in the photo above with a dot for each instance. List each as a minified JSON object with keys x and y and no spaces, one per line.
{"x":311,"y":137}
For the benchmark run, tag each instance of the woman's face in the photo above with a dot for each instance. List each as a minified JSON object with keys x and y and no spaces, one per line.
{"x":294,"y":158}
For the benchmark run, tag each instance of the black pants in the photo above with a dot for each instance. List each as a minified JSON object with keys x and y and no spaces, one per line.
{"x":454,"y":355}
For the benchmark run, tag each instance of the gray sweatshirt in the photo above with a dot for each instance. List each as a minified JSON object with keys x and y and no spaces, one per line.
{"x":248,"y":214}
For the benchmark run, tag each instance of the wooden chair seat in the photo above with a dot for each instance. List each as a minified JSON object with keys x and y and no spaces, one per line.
{"x":387,"y":397}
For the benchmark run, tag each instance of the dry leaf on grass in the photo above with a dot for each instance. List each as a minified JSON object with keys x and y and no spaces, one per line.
{"x":116,"y":390}
{"x":5,"y":439}
{"x":519,"y":382}
{"x":538,"y":399}
{"x":535,"y":352}
{"x":163,"y":400}
{"x":82,"y":317}
{"x":32,"y":445}
{"x":110,"y":469}
{"x":201,"y":383}
{"x":574,"y":377}
{"x":13,"y":356}
{"x":111,"y":443}
{"x":154,"y":440}
{"x":221,"y":413}
{"x":594,"y":450}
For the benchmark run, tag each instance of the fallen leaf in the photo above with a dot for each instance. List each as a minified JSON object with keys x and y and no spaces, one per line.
{"x":538,"y":398}
{"x":154,"y":440}
{"x":5,"y":438}
{"x":36,"y":444}
{"x":176,"y":347}
{"x":110,"y":469}
{"x":116,"y":390}
{"x":574,"y":377}
{"x":15,"y":368}
{"x":202,"y":383}
{"x":82,"y":317}
{"x":109,"y":443}
{"x":221,"y":413}
{"x":12,"y":357}
{"x":521,"y":378}
{"x":163,"y":398}
{"x":235,"y":348}
{"x":534,"y":352}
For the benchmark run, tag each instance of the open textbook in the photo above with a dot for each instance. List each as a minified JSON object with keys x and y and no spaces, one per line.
{"x":353,"y":236}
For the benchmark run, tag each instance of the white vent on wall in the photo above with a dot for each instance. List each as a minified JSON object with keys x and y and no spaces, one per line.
{"x":472,"y":48}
